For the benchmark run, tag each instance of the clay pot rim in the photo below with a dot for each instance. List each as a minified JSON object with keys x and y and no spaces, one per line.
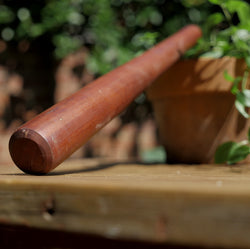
{"x":196,"y":76}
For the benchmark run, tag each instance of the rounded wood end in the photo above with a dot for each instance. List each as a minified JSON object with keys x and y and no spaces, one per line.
{"x":30,"y":152}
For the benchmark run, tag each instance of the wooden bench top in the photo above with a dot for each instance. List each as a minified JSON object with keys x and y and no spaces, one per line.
{"x":203,"y":205}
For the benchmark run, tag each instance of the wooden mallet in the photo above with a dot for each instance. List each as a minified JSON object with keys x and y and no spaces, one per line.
{"x":44,"y":142}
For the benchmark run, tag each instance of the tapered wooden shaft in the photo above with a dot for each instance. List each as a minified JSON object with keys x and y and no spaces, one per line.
{"x":44,"y":142}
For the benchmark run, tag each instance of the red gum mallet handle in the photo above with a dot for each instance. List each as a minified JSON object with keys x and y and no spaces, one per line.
{"x":47,"y":140}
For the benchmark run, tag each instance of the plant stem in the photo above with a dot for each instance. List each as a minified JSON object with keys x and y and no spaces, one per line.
{"x":227,"y":14}
{"x":244,"y":80}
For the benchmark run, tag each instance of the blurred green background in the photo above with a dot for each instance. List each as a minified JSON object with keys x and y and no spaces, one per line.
{"x":113,"y":30}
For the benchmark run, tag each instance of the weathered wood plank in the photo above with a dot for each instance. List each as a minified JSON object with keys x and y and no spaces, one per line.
{"x":203,"y":205}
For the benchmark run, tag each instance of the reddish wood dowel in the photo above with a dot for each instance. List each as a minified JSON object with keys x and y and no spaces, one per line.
{"x":44,"y":142}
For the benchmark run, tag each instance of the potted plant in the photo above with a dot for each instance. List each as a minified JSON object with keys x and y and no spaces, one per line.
{"x":206,"y":99}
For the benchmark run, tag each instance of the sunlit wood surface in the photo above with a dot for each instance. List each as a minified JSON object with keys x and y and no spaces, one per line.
{"x":203,"y":205}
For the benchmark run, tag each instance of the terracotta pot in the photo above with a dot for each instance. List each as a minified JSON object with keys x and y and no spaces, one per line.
{"x":194,"y":108}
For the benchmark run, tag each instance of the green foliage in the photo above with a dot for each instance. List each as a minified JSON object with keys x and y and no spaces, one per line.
{"x":239,"y":90}
{"x":227,"y":33}
{"x":113,"y":30}
{"x":232,"y":152}
{"x":6,"y":14}
{"x":156,"y":155}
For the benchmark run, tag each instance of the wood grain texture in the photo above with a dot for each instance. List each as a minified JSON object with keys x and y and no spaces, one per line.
{"x":203,"y":205}
{"x":44,"y":142}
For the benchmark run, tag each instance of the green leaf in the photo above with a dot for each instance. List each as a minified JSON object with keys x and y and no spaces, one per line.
{"x":244,"y":97}
{"x":157,"y":154}
{"x":238,"y":153}
{"x":247,"y":59}
{"x":223,"y":152}
{"x":228,"y":77}
{"x":241,"y":8}
{"x":235,"y":87}
{"x":217,"y":1}
{"x":246,"y":93}
{"x":231,"y":152}
{"x":241,"y":108}
{"x":241,"y":34}
{"x":214,"y":20}
{"x":216,"y":53}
